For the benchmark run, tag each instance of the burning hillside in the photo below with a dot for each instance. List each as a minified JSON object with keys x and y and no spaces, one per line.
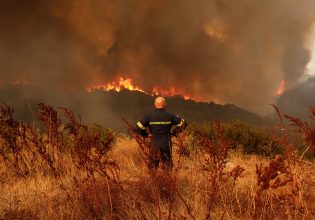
{"x":121,"y":83}
{"x":116,"y":85}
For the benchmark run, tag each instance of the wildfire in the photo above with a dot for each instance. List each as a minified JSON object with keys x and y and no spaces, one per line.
{"x":122,"y":83}
{"x":171,"y":91}
{"x":117,"y":85}
{"x":281,"y":88}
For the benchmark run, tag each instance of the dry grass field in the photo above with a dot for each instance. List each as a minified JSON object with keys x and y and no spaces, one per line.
{"x":70,"y":171}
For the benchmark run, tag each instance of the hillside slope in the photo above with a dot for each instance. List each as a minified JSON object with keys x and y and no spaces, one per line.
{"x":107,"y":108}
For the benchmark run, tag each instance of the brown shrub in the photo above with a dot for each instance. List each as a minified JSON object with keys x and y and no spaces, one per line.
{"x":214,"y":164}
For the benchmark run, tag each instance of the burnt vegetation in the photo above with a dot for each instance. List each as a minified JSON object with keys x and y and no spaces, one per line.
{"x":58,"y":167}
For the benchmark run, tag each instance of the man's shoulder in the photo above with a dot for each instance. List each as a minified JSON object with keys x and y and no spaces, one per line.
{"x":150,"y":114}
{"x":155,"y":113}
{"x":164,"y":113}
{"x":171,"y":115}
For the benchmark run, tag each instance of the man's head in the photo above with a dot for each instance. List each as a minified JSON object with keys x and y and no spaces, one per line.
{"x":159,"y":102}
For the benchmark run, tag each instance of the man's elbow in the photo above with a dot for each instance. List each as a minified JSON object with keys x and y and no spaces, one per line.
{"x":183,"y":124}
{"x":141,"y":130}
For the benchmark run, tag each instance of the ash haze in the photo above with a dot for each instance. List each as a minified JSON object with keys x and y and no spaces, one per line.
{"x":311,"y":65}
{"x":230,"y":51}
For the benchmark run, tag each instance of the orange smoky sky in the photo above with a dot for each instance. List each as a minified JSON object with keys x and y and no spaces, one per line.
{"x":223,"y":50}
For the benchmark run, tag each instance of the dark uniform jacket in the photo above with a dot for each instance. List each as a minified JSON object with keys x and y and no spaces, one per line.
{"x":160,"y":123}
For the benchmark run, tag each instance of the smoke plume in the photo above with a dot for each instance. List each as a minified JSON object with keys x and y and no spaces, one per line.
{"x":222,"y":50}
{"x":297,"y":100}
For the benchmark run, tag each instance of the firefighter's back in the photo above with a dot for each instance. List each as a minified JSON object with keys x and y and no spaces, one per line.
{"x":160,"y":122}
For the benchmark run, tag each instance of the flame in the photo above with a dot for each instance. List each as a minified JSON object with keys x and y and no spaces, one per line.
{"x":281,"y":88}
{"x":116,"y":85}
{"x":171,"y":91}
{"x":122,"y":83}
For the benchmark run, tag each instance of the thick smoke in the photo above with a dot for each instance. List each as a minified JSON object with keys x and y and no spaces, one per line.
{"x":297,"y":100}
{"x":221,"y":50}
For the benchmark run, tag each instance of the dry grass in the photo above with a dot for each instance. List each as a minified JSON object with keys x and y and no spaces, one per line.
{"x":142,"y":197}
{"x":283,"y":199}
{"x":109,"y":180}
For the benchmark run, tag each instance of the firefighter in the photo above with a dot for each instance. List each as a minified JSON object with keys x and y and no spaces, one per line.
{"x":159,"y":123}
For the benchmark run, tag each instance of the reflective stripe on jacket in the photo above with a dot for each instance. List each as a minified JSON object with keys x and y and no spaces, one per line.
{"x":159,"y":122}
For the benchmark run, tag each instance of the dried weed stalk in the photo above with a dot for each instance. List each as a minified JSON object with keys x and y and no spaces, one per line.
{"x":214,"y":164}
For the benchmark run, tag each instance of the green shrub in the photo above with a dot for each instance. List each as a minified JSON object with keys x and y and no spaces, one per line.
{"x":249,"y":139}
